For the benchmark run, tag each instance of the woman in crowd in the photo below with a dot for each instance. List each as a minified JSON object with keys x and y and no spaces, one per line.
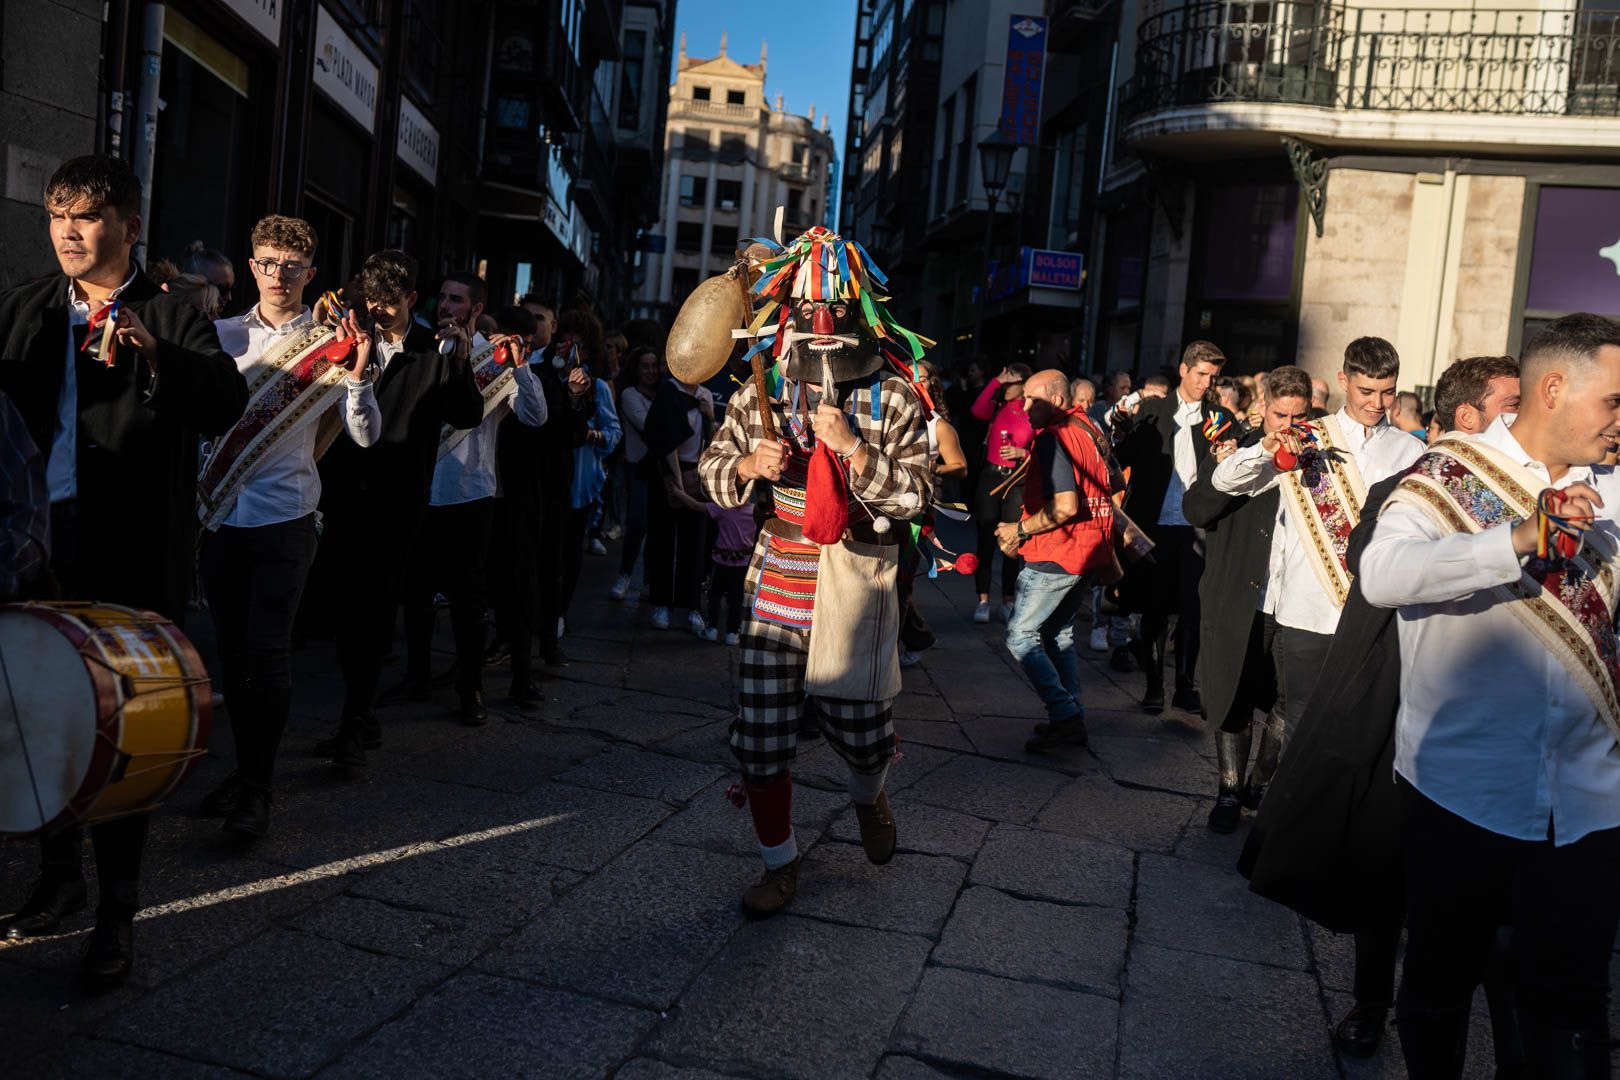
{"x":998,"y":497}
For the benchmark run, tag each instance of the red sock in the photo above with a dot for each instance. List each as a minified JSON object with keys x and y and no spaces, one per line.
{"x":771,"y":803}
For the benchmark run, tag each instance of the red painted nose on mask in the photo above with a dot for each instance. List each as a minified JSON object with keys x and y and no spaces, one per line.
{"x":822,"y":322}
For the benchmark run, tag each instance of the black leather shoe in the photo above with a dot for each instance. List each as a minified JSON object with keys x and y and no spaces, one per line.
{"x":553,"y":656}
{"x":1252,"y":795}
{"x":349,"y":750}
{"x":497,"y":652}
{"x":110,"y":954}
{"x":370,"y":737}
{"x":1360,"y":1032}
{"x":218,"y":803}
{"x":1153,"y":700}
{"x":413,"y":688}
{"x":525,"y":694}
{"x":1187,"y":699}
{"x":250,"y":816}
{"x":472,"y":711}
{"x":1226,"y":813}
{"x":51,"y":900}
{"x":1123,"y":659}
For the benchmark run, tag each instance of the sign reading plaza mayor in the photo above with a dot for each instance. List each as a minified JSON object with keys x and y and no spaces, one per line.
{"x":1021,"y":89}
{"x":418,"y":142}
{"x":263,"y":15}
{"x":343,"y":73}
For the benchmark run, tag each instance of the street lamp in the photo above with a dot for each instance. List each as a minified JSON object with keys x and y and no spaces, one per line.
{"x":995,"y":163}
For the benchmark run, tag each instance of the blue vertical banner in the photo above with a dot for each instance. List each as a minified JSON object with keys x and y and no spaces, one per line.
{"x":1021,"y":92}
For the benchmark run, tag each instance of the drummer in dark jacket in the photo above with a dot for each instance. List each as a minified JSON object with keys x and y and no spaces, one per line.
{"x":1238,"y":599}
{"x":374,"y":498}
{"x":119,"y":432}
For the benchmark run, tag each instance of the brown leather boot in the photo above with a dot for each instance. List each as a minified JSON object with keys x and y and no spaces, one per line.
{"x":878,"y":834}
{"x":772,"y":892}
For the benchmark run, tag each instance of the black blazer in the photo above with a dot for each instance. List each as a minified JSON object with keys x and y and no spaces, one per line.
{"x":1237,"y":554}
{"x":138,"y":434}
{"x":418,"y":393}
{"x":537,"y":464}
{"x":1147,"y":448}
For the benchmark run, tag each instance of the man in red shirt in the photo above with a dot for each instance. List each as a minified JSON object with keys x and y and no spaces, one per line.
{"x":1065,"y":536}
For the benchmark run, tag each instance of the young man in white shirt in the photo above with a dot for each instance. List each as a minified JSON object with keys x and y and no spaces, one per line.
{"x":453,"y":547}
{"x":254,"y":563}
{"x":1324,"y":484}
{"x":1505,"y":752}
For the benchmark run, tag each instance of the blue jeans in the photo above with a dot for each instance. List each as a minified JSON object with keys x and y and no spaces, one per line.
{"x":1040,"y":635}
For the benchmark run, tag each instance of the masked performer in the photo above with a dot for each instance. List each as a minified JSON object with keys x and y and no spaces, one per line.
{"x":258,"y":494}
{"x":842,"y":445}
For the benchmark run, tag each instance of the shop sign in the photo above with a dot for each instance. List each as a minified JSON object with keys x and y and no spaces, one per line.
{"x":1021,"y":86}
{"x":1055,"y":269}
{"x":418,"y":143}
{"x":344,"y":73}
{"x":263,"y":15}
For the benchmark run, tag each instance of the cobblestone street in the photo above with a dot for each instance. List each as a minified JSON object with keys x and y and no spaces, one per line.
{"x":557,"y":897}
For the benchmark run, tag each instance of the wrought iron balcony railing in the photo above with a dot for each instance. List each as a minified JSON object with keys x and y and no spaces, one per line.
{"x":1545,"y":63}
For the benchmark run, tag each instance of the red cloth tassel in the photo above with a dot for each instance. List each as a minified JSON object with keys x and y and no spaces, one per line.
{"x":826,"y":498}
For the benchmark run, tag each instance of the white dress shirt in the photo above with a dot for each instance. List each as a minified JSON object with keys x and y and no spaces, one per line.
{"x":1491,"y":725}
{"x":286,"y":485}
{"x":467,"y":472}
{"x":1188,"y":415}
{"x":62,"y":470}
{"x":1296,"y":595}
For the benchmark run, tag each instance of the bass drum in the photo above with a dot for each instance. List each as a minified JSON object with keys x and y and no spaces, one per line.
{"x":103,"y":711}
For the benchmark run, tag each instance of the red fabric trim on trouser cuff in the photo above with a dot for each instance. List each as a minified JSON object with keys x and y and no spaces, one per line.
{"x":771,"y":804}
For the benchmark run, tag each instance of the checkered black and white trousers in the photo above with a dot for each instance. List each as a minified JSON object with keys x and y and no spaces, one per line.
{"x":771,"y":701}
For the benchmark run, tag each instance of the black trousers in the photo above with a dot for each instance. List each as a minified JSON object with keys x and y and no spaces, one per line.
{"x":118,"y":844}
{"x":726,"y":583}
{"x":450,"y":557}
{"x":513,"y":542}
{"x":1563,"y":907}
{"x":1177,"y":570}
{"x":572,"y":554}
{"x":674,"y":554}
{"x":549,"y":551}
{"x":988,"y":512}
{"x":1301,"y":656}
{"x":253,"y":579}
{"x":364,"y":621}
{"x":635,"y":517}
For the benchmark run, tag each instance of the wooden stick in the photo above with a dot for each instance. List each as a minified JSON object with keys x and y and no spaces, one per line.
{"x":761,"y":394}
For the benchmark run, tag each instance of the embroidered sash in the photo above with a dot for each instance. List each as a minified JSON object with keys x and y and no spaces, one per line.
{"x":293,"y":385}
{"x":495,"y":382}
{"x":1465,"y":485}
{"x":1324,"y":497}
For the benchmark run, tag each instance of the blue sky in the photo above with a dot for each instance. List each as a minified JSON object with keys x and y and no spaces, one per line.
{"x":808,"y":61}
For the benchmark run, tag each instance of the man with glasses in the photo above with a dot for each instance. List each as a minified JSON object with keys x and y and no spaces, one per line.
{"x":259,"y":491}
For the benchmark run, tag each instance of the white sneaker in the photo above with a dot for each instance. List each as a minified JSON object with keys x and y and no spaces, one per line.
{"x":613,"y":532}
{"x":695,"y":623}
{"x":596,"y":547}
{"x":710,"y":634}
{"x":731,"y":639}
{"x":621,"y":587}
{"x":981,"y":614}
{"x":1099,"y":639}
{"x":660,"y":618}
{"x":910,"y":659}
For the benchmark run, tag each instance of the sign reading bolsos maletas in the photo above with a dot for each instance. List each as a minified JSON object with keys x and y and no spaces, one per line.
{"x":1054,"y":269}
{"x":344,"y":73}
{"x":263,"y":15}
{"x":418,"y":143}
{"x":1021,"y":88}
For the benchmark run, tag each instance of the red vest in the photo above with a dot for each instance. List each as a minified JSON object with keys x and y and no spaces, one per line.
{"x":1083,"y":543}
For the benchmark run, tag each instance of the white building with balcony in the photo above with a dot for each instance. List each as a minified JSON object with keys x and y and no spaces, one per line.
{"x":1287,"y":175}
{"x":729,"y":161}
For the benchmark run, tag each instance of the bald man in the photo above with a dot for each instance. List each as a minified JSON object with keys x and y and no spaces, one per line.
{"x":1065,"y":535}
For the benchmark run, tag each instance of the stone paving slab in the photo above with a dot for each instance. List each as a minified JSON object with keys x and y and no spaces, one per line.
{"x":78,"y":1058}
{"x":508,"y":757}
{"x":636,"y":772}
{"x":571,"y":827}
{"x":710,"y":821}
{"x":1199,"y":908}
{"x":487,"y":882}
{"x":652,"y":1069}
{"x":637,"y":931}
{"x":1002,"y":738}
{"x":479,"y":1026}
{"x":911,"y":893}
{"x":1191,"y":1015}
{"x":989,"y":789}
{"x":1162,"y":764}
{"x":409,"y":933}
{"x":921,"y":828}
{"x":794,"y":997}
{"x":927,"y":731}
{"x":1078,"y":948}
{"x":1097,"y":807}
{"x":909,"y":1068}
{"x":1047,"y":866}
{"x":1017,"y":1028}
{"x":307,"y":998}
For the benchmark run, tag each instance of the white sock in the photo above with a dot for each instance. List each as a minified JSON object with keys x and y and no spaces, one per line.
{"x":781,"y":854}
{"x":864,"y":788}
